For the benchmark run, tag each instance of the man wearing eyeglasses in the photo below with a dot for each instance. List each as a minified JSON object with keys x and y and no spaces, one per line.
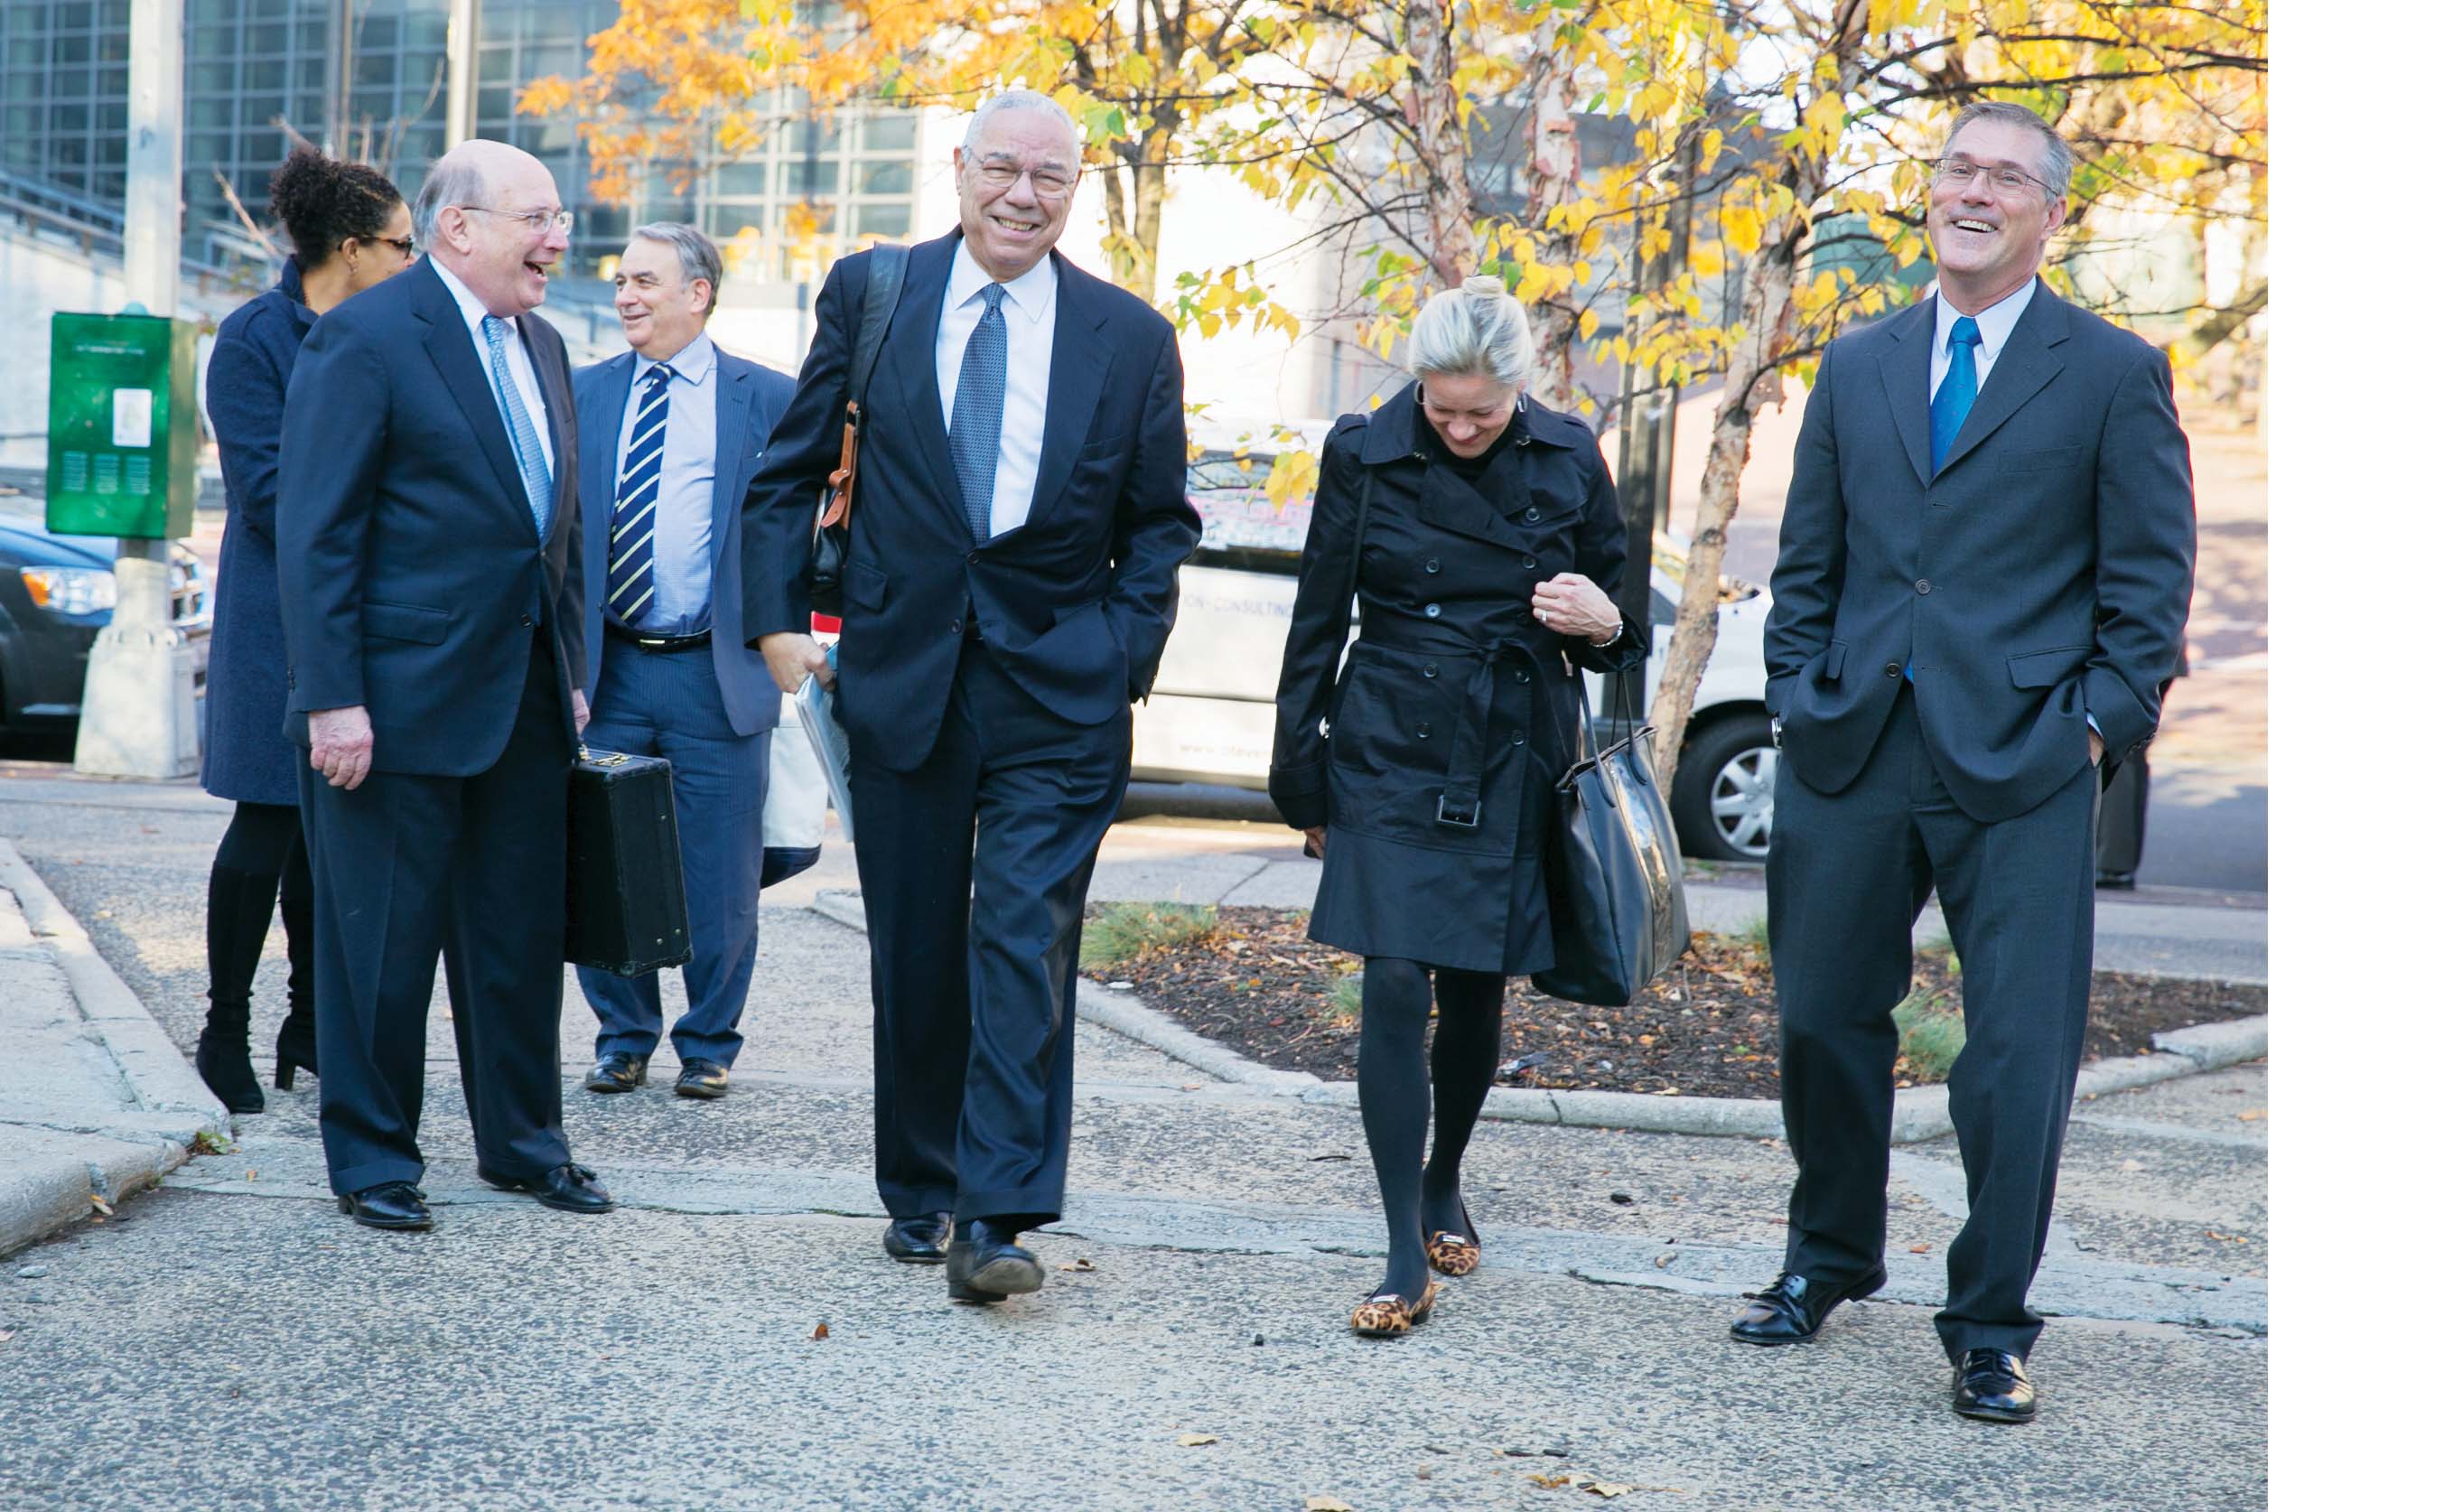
{"x":437,"y":651}
{"x":1984,"y":573}
{"x":1019,"y":517}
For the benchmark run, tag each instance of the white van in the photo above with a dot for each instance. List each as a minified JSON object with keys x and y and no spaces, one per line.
{"x":1211,"y":717}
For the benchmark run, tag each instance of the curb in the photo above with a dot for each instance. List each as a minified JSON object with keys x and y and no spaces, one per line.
{"x":56,"y":1172}
{"x":1919,"y":1113}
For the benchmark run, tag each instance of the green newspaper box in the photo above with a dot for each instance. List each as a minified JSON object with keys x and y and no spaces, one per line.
{"x":123,"y":426}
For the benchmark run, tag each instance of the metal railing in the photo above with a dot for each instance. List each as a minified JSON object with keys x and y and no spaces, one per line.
{"x":93,"y":226}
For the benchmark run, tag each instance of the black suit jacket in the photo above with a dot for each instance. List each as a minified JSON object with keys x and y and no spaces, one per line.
{"x":2041,"y":578}
{"x":1075,"y":604}
{"x":410,"y":579}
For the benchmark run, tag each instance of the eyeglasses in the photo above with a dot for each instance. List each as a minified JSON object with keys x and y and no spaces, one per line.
{"x":1049,"y":182}
{"x":406,"y":244}
{"x":1960,"y":173}
{"x":540,"y":221}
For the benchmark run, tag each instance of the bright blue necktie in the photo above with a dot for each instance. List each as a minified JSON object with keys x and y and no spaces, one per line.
{"x":975,"y":413}
{"x":1958,"y":393}
{"x":1953,"y":398}
{"x":632,"y":511}
{"x":522,"y":440}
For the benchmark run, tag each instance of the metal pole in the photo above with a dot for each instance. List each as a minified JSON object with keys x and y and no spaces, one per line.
{"x":139,"y":715}
{"x":339,"y":73}
{"x":465,"y":21}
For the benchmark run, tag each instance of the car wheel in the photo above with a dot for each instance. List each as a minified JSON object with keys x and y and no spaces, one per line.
{"x":1722,"y":797}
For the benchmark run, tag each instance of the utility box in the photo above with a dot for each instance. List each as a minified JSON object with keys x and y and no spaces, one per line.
{"x":122,"y":432}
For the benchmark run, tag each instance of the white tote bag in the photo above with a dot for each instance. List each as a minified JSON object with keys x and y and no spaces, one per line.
{"x":794,"y":800}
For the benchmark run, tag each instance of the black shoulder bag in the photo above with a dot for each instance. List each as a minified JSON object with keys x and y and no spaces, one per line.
{"x":886,"y":272}
{"x":1612,"y":873}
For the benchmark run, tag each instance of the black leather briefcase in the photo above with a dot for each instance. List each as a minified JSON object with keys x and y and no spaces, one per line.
{"x":627,"y":911}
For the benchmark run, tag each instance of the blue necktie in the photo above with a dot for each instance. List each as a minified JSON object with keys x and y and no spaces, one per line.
{"x":975,"y":413}
{"x":522,"y":440}
{"x":1953,"y":398}
{"x":1957,"y":393}
{"x":632,"y":511}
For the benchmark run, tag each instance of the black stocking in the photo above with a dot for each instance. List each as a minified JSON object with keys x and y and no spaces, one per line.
{"x":1392,"y":1093}
{"x":1467,"y":1045}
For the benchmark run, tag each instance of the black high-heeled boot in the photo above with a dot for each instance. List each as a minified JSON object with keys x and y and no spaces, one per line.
{"x":221,"y":1058}
{"x":294,"y":1050}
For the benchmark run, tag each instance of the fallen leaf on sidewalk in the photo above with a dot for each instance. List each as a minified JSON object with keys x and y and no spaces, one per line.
{"x":1190,"y":1441}
{"x":1553,"y":1481}
{"x":2252,"y":1116}
{"x":1919,"y":1250}
{"x":102,"y":1206}
{"x":2229,"y":1239}
{"x":1328,"y":1503}
{"x":821,"y":1331}
{"x":7,"y":1334}
{"x":1082,"y":1263}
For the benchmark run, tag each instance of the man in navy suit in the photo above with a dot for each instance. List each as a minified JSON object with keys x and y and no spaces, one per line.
{"x":1984,"y":572}
{"x":670,"y":434}
{"x":1021,"y":515}
{"x":436,"y":653}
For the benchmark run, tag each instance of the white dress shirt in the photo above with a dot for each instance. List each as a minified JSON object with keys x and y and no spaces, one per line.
{"x":1994,"y":325}
{"x":522,"y":370}
{"x":683,"y":497}
{"x":1027,"y":314}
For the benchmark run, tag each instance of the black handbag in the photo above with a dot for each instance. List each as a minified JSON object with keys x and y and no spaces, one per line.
{"x":627,"y":904}
{"x":1612,"y":873}
{"x":886,"y":274}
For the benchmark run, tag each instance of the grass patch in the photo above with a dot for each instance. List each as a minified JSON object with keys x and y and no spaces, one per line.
{"x":1128,"y":932}
{"x":1932,"y":1035}
{"x":1753,"y":935}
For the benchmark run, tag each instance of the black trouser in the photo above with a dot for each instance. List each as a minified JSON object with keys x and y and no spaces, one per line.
{"x":1846,"y":877}
{"x":261,"y":860}
{"x":975,"y":1012}
{"x":408,"y":868}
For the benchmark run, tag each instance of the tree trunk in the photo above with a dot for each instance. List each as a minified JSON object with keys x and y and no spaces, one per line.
{"x":1553,"y":179}
{"x":1433,"y":109}
{"x":1753,"y":378}
{"x":1152,"y":184}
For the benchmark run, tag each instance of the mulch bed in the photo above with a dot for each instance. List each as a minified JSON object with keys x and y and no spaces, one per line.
{"x":1708,"y":1030}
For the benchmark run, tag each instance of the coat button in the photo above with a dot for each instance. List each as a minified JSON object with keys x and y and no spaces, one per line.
{"x":1519,"y":677}
{"x":972,"y":557}
{"x":1433,"y":611}
{"x":1924,"y":586}
{"x":527,"y":620}
{"x":1528,"y":563}
{"x":1533,"y":514}
{"x":1431,"y":669}
{"x":1434,"y":565}
{"x":957,"y":627}
{"x":1424,"y":729}
{"x":1517,"y":738}
{"x":1891,"y":669}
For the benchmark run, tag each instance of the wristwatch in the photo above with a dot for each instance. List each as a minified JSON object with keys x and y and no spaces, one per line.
{"x":1614,"y":639}
{"x":1777,"y":732}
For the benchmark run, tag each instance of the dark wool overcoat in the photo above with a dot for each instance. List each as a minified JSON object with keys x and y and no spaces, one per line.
{"x":1430,"y":754}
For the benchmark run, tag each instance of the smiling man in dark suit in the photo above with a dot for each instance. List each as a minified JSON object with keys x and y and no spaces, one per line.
{"x":1021,"y":515}
{"x":671,"y":433}
{"x":1984,"y":572}
{"x":437,"y":651}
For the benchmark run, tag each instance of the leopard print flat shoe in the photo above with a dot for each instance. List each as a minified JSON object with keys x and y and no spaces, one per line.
{"x":1454,"y":1254}
{"x":1389,"y":1314}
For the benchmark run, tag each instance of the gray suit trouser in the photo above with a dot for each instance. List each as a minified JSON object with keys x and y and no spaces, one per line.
{"x":1845,"y":879}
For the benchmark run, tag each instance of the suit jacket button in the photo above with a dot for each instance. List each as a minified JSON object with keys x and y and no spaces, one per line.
{"x":1431,"y":669}
{"x":1891,"y":669}
{"x":1924,"y":586}
{"x":1533,"y":515}
{"x":1433,"y":611}
{"x":527,"y":620}
{"x":956,"y":627}
{"x":1424,"y":729}
{"x":1434,"y":565}
{"x":973,"y":556}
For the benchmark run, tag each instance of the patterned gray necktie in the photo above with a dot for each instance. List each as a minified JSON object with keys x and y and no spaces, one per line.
{"x":524,"y":444}
{"x":975,"y":413}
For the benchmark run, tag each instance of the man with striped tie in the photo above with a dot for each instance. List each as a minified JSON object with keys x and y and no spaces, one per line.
{"x":668,"y":435}
{"x":428,"y":515}
{"x":1013,"y":560}
{"x":1985,"y":570}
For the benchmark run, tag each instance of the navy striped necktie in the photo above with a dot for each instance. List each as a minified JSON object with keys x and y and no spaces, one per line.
{"x":632,"y":515}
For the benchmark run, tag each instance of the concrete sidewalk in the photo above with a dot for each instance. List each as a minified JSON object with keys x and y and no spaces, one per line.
{"x":95,"y":1101}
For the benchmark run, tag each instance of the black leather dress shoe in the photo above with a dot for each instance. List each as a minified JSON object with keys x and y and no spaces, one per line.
{"x":1993,"y":1385}
{"x":570,"y":1188}
{"x":920,"y":1240}
{"x":1793,"y":1308}
{"x":617,"y":1073}
{"x":987,"y":1264}
{"x":703,"y":1079}
{"x":393,"y":1205}
{"x":2117,"y":881}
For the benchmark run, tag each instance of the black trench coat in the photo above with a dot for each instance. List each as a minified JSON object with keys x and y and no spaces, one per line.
{"x":1432,"y":758}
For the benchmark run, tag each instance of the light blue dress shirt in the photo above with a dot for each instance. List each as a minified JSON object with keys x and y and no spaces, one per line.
{"x":682,"y":603}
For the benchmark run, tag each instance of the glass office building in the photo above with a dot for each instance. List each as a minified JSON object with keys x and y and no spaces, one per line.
{"x":381,"y":67}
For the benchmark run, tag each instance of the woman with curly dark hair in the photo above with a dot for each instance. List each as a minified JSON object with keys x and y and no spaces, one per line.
{"x":351,"y":229}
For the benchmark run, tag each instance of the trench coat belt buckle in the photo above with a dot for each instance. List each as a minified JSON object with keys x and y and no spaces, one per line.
{"x":1461,"y":803}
